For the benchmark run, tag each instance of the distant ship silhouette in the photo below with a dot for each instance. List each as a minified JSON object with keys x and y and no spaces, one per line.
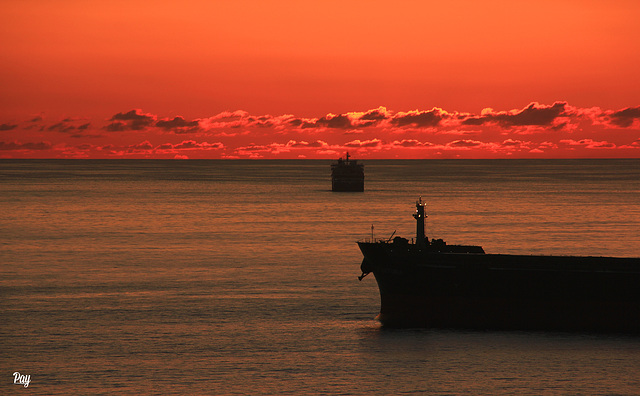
{"x":347,"y":175}
{"x":428,"y":283}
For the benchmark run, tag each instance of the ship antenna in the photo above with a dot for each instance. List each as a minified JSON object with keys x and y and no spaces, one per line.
{"x":420,"y":216}
{"x":347,"y":156}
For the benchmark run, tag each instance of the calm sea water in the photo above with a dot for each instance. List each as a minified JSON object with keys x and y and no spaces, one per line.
{"x":240,"y":277}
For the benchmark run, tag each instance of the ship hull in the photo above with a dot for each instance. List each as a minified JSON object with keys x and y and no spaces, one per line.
{"x":489,"y":291}
{"x":347,"y":184}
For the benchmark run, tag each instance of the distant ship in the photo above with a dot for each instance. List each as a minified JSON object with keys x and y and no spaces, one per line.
{"x":347,"y":175}
{"x":428,"y":283}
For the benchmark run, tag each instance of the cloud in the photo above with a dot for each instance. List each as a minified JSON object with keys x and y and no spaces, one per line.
{"x":625,"y":118}
{"x":512,"y":143}
{"x":132,"y":120}
{"x":547,"y":146}
{"x":116,"y":127}
{"x":8,"y":127}
{"x":365,"y":143}
{"x":558,"y":129}
{"x":228,"y":116}
{"x":133,"y":115}
{"x":465,"y":143}
{"x":242,"y":119}
{"x":297,"y":147}
{"x":146,"y":145}
{"x":227,"y":119}
{"x":258,"y":150}
{"x":15,"y":146}
{"x":410,"y":143}
{"x":370,"y":118}
{"x":190,"y":145}
{"x":303,"y":144}
{"x":178,"y":125}
{"x":534,"y":114}
{"x":61,"y":127}
{"x":416,"y":118}
{"x":337,"y":121}
{"x":148,"y":149}
{"x":343,"y":121}
{"x":379,"y":114}
{"x":86,"y":135}
{"x":67,"y":126}
{"x":588,"y":143}
{"x":461,"y":132}
{"x":334,"y":121}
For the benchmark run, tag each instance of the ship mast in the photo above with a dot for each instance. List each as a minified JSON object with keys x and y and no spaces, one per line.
{"x":420,"y":216}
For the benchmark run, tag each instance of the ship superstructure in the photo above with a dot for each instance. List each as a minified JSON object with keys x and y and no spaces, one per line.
{"x":347,"y":175}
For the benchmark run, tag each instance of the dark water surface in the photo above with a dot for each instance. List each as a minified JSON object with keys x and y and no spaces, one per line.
{"x":240,"y":277}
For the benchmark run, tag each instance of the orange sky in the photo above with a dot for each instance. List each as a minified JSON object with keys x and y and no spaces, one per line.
{"x":312,"y":79}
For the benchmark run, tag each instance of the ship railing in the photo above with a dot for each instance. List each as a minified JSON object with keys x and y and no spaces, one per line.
{"x":373,"y":240}
{"x":383,"y":240}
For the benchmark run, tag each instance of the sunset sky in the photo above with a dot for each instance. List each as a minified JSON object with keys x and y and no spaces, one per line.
{"x":313,"y":79}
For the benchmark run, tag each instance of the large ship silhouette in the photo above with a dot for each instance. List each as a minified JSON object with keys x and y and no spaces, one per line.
{"x":428,"y":283}
{"x":347,"y":175}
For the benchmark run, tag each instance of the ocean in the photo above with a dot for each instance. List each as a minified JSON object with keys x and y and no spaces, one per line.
{"x":240,"y":277}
